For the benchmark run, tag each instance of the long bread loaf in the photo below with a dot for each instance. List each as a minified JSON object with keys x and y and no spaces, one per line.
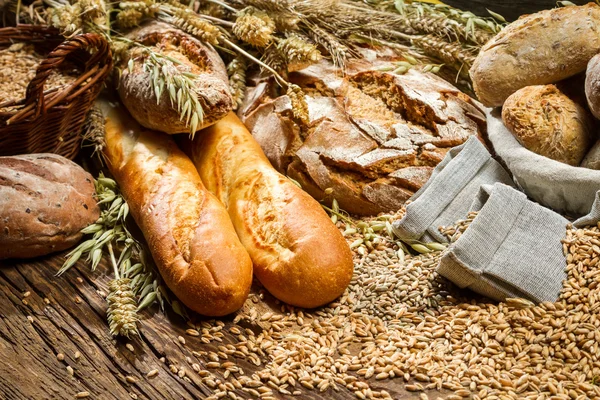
{"x":298,"y":253}
{"x":189,"y":233}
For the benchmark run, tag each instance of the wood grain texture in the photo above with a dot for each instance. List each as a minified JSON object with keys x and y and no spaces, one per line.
{"x":73,"y":320}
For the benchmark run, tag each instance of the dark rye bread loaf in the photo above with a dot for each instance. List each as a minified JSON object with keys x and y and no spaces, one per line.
{"x":373,"y":137}
{"x":45,"y":201}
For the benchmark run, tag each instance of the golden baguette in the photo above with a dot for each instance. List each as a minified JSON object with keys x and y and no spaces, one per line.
{"x":298,"y":253}
{"x":189,"y":233}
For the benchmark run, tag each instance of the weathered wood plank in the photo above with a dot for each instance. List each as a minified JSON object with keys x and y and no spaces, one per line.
{"x":67,"y":315}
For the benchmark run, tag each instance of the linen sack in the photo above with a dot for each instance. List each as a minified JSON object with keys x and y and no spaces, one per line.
{"x":449,"y":192}
{"x":511,"y":249}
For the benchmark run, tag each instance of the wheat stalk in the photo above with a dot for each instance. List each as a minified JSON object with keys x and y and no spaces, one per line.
{"x":134,"y":264}
{"x":254,"y":27}
{"x":236,"y":70}
{"x":190,"y":22}
{"x":93,"y":131}
{"x":296,"y":49}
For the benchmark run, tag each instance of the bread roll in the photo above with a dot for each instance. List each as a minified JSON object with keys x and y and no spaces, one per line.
{"x":298,"y":253}
{"x":547,"y":122}
{"x":188,"y":231}
{"x":45,"y":201}
{"x":136,"y":86}
{"x":537,"y":49}
{"x":592,"y":85}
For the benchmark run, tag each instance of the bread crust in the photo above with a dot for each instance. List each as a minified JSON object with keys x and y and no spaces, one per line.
{"x":547,"y":122}
{"x":592,"y":85}
{"x":299,"y":255}
{"x":45,"y":201}
{"x":373,"y":138}
{"x":188,"y":231}
{"x":537,"y":49}
{"x":136,"y":86}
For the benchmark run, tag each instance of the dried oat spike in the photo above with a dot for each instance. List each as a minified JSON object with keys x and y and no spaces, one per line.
{"x":299,"y":106}
{"x":237,"y":80}
{"x":122,"y":306}
{"x":254,"y":26}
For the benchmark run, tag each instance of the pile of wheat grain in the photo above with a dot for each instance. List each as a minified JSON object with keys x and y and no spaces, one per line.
{"x":400,"y":320}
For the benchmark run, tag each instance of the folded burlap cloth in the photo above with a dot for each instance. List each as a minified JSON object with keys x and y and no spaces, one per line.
{"x":513,"y":246}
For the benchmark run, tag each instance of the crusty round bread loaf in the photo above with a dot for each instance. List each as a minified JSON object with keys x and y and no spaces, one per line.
{"x":189,"y":233}
{"x":373,"y":138}
{"x":537,"y":49}
{"x":45,"y":201}
{"x":547,"y":122}
{"x":136,"y":87}
{"x":299,"y":255}
{"x":592,"y":85}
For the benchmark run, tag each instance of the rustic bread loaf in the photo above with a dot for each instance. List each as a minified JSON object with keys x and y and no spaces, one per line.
{"x":537,"y":49}
{"x":45,"y":201}
{"x":299,"y":255}
{"x":136,"y":87}
{"x":188,"y":231}
{"x":373,"y":137}
{"x":549,"y":123}
{"x":592,"y":85}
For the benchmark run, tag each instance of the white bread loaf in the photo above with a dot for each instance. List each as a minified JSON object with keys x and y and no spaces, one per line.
{"x":299,"y":255}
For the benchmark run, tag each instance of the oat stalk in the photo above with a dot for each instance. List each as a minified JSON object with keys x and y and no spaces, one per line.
{"x":179,"y":85}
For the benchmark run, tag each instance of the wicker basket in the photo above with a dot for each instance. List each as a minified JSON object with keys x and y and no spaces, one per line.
{"x":50,"y":121}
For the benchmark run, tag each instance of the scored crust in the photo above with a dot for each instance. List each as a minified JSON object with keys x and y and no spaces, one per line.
{"x":372,"y":137}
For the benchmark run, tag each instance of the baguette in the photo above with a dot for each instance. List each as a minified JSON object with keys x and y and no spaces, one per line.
{"x":188,"y":231}
{"x":298,"y":253}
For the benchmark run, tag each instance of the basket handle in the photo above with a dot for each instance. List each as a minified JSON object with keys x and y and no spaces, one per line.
{"x":35,"y":89}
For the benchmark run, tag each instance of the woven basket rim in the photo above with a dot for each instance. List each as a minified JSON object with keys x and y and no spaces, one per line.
{"x":36,"y":100}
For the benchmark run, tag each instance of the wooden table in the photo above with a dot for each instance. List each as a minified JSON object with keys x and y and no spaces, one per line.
{"x":67,"y":315}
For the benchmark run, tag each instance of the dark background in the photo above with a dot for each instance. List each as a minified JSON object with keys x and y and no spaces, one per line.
{"x":509,"y":9}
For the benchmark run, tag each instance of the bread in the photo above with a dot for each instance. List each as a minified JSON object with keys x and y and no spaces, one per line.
{"x":136,"y":87}
{"x":373,"y":137}
{"x":537,"y":49}
{"x":592,"y":158}
{"x":592,"y":85}
{"x":45,"y":201}
{"x":188,"y":231}
{"x":547,"y":122}
{"x":299,"y":255}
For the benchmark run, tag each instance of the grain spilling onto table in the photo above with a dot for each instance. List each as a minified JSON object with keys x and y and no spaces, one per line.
{"x":400,"y":320}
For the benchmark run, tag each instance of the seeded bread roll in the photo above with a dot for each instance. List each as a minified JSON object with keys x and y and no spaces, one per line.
{"x":546,"y":121}
{"x":537,"y":49}
{"x":299,"y":255}
{"x":188,"y":231}
{"x":45,"y":201}
{"x":136,"y":86}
